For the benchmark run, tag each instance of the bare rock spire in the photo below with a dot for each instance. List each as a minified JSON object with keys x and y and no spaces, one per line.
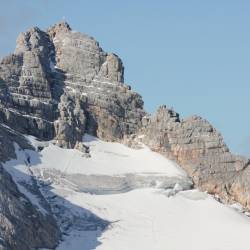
{"x":61,"y":84}
{"x":60,"y":27}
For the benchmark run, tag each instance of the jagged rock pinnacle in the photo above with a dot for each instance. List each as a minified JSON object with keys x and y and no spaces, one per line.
{"x":61,"y":27}
{"x":61,"y":84}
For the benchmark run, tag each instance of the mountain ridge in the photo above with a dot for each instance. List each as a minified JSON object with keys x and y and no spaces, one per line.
{"x":59,"y":85}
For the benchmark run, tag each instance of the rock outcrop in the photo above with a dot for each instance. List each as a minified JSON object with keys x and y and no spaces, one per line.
{"x":60,"y":83}
{"x":22,"y":226}
{"x":201,"y":151}
{"x":57,"y":85}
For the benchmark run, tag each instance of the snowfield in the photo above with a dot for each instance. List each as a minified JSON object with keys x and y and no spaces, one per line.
{"x":146,"y":219}
{"x":106,"y":159}
{"x":124,"y":199}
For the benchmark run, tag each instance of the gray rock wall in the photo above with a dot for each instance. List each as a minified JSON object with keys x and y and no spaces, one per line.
{"x":22,"y":226}
{"x":59,"y":84}
{"x":201,"y":151}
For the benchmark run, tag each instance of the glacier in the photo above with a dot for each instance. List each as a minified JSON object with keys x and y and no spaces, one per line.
{"x":121,"y":198}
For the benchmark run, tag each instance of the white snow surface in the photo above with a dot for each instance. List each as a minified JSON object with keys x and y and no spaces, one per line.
{"x":146,"y":219}
{"x":107,"y":158}
{"x":140,"y":219}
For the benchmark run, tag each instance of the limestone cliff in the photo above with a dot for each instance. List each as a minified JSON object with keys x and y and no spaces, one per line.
{"x":60,"y":84}
{"x":22,"y":225}
{"x":201,"y":151}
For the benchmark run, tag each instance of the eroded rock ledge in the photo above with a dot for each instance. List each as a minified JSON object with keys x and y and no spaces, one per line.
{"x":60,"y":84}
{"x":201,"y":151}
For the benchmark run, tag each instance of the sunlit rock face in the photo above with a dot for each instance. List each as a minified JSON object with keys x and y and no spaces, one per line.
{"x":60,"y":83}
{"x":196,"y":145}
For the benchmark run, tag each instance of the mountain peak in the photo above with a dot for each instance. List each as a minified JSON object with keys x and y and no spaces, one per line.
{"x":60,"y":27}
{"x":70,"y":70}
{"x":61,"y":84}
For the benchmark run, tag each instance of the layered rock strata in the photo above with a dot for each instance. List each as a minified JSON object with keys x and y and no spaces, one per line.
{"x":22,"y":225}
{"x":196,"y":145}
{"x":60,"y":84}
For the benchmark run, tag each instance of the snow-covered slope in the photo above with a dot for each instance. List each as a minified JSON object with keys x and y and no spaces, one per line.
{"x":147,"y":219}
{"x":123,"y":198}
{"x":106,"y":159}
{"x":109,"y":168}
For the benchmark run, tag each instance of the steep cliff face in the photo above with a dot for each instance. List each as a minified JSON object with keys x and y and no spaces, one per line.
{"x":201,"y":151}
{"x":57,"y":85}
{"x":22,"y":225}
{"x":26,"y":93}
{"x":60,"y":83}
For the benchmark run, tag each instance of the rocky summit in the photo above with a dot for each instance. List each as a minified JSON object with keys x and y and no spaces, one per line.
{"x":199,"y":148}
{"x":58,"y":85}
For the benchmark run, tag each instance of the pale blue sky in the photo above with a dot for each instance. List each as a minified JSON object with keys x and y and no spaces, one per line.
{"x":191,"y":55}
